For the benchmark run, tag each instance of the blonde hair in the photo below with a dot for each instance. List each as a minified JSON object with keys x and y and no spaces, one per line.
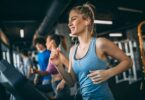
{"x":87,"y":10}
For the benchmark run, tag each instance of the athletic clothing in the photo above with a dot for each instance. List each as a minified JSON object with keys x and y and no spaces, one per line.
{"x":82,"y":68}
{"x":51,"y":68}
{"x":43,"y":58}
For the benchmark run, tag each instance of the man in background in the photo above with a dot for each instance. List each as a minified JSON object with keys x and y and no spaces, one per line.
{"x":43,"y":58}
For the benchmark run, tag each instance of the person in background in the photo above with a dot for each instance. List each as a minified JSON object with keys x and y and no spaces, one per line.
{"x":88,"y":59}
{"x":61,"y":90}
{"x":27,"y":67}
{"x":43,"y":58}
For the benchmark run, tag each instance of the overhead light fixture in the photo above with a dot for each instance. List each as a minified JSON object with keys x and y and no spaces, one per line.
{"x":130,"y":10}
{"x":115,"y":34}
{"x":21,"y":33}
{"x":103,"y":22}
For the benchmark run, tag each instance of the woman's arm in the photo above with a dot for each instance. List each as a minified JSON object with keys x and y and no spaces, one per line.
{"x":68,"y":75}
{"x":105,"y":47}
{"x":61,"y":85}
{"x":112,"y":50}
{"x":42,"y":73}
{"x":61,"y":60}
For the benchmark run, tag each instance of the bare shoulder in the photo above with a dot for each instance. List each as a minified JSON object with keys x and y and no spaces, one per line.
{"x":103,"y":44}
{"x":101,"y":41}
{"x":72,"y":48}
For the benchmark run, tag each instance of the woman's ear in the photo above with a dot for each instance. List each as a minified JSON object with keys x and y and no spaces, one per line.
{"x":87,"y":22}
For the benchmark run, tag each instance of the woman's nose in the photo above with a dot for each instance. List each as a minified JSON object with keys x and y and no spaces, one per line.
{"x":69,"y":23}
{"x":46,"y":44}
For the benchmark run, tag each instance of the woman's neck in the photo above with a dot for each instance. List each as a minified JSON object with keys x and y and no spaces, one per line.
{"x":84,"y":38}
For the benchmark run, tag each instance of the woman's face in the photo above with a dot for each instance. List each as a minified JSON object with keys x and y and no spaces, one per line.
{"x":48,"y":43}
{"x":77,"y":24}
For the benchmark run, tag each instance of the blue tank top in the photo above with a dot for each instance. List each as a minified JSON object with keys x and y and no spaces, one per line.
{"x":82,"y":67}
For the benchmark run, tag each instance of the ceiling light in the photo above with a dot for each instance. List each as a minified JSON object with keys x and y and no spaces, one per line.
{"x":103,"y":22}
{"x":115,"y":34}
{"x":130,"y":10}
{"x":21,"y":33}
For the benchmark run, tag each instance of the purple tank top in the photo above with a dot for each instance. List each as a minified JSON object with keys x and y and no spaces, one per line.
{"x":51,"y":68}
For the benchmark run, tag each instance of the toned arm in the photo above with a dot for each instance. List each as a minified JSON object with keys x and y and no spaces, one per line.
{"x":109,"y":48}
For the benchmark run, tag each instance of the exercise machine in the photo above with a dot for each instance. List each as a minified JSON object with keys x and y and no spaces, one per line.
{"x":17,"y":84}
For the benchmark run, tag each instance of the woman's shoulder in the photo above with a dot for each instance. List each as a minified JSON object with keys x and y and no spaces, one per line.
{"x":101,"y":39}
{"x":73,"y":48}
{"x":102,"y":42}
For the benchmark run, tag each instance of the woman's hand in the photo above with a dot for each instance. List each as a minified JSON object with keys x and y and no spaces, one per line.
{"x":60,"y":86}
{"x":54,"y":54}
{"x":54,"y":57}
{"x":99,"y":76}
